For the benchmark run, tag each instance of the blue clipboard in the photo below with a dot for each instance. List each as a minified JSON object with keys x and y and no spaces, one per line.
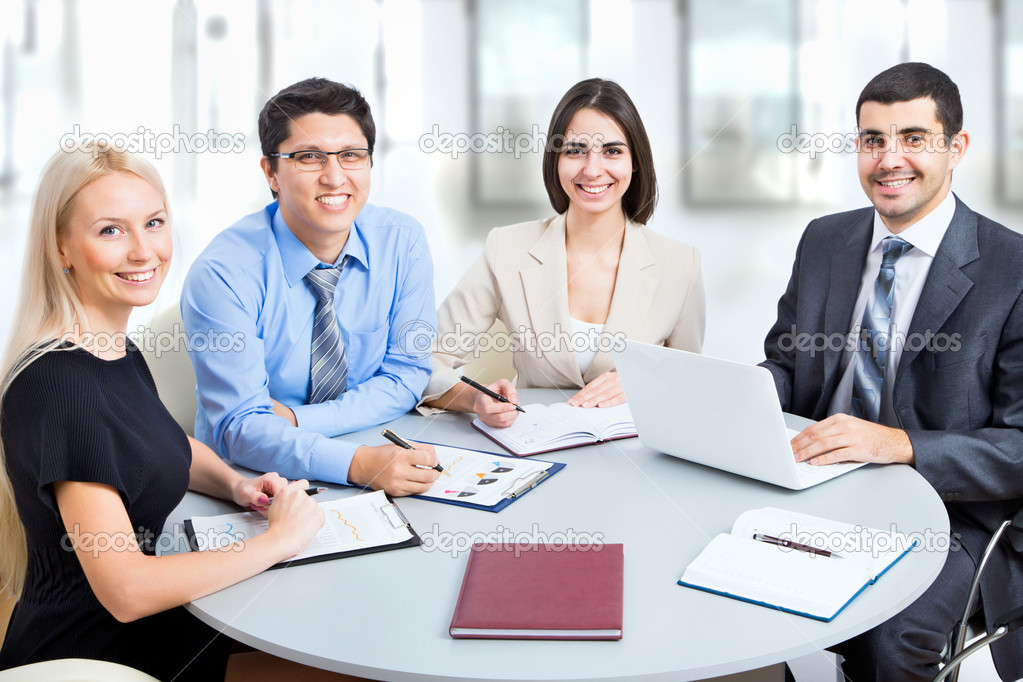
{"x":515,"y":495}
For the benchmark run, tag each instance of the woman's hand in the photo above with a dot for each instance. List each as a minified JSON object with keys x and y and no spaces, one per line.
{"x":492,"y":412}
{"x":295,"y":517}
{"x":604,"y":391}
{"x":256,"y":492}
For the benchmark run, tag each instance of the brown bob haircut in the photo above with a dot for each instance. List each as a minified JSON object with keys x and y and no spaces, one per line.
{"x":610,"y":99}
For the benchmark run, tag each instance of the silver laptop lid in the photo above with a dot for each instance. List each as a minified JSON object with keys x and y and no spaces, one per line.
{"x":715,"y":412}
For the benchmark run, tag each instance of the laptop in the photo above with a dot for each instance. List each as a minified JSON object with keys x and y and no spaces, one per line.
{"x":715,"y":412}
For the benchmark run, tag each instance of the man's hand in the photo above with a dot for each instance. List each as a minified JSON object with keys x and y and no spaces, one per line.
{"x":842,"y":438}
{"x":492,"y":412}
{"x":394,"y":469}
{"x":604,"y":391}
{"x":282,"y":410}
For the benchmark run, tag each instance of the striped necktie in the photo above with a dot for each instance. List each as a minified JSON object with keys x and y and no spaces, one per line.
{"x":329,"y":366}
{"x":874,"y":348}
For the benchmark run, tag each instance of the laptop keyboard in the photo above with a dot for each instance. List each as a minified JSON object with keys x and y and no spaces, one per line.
{"x":811,"y":475}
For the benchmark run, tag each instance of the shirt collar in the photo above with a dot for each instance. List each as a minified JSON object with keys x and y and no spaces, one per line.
{"x":297,"y":260}
{"x":925,"y":234}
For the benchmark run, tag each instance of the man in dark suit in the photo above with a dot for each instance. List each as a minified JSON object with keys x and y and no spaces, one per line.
{"x":901,"y":332}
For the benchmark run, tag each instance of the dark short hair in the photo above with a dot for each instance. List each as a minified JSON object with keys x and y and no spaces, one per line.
{"x":610,"y":99}
{"x":311,"y":96}
{"x":913,"y":80}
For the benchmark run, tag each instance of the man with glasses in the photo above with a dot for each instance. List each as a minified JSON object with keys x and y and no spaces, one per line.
{"x":318,"y":310}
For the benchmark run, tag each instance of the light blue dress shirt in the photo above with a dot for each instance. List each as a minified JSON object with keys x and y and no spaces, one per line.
{"x":248,"y":312}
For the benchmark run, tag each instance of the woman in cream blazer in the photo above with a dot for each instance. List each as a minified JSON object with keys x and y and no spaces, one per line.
{"x":555,"y":282}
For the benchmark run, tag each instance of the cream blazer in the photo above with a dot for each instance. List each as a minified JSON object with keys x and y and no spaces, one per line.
{"x":522,"y":279}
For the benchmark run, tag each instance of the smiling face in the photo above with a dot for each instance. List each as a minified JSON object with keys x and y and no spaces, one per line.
{"x":904,"y":159}
{"x":117,"y":246}
{"x":595,"y":165}
{"x":320,"y":206}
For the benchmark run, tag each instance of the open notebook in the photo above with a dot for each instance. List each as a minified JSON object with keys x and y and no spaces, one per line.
{"x":817,"y":586}
{"x":354,"y":525}
{"x":556,"y":427}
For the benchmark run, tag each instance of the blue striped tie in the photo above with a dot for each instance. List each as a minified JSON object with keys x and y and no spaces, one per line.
{"x":329,"y":366}
{"x":873,"y":350}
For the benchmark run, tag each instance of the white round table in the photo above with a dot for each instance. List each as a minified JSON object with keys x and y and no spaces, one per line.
{"x":386,"y":615}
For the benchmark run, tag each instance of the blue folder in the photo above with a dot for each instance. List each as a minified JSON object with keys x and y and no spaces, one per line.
{"x":555,"y":468}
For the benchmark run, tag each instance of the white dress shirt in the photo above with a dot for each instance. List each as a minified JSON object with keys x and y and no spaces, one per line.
{"x":585,"y":342}
{"x":910,"y":273}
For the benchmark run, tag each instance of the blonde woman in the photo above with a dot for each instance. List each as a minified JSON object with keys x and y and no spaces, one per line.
{"x":92,"y":461}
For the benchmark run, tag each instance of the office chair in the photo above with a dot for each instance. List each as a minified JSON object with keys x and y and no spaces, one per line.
{"x":166,"y":353}
{"x":1010,"y":622}
{"x":492,"y":364}
{"x":74,"y":670}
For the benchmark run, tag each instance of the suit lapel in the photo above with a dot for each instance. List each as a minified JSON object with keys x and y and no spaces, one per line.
{"x":545,"y":286}
{"x":843,"y":288}
{"x":633,"y":294}
{"x":946,"y":285}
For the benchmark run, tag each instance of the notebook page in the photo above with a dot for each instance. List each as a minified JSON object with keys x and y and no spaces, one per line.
{"x":774,"y":575}
{"x":871,"y":547}
{"x":351,"y":523}
{"x":604,"y":422}
{"x":540,"y":428}
{"x":479,"y":477}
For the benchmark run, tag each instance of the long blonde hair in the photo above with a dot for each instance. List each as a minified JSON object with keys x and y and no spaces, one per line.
{"x":48,"y":304}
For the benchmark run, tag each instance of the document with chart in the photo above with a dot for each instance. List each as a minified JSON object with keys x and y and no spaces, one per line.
{"x":484,"y":480}
{"x":359,"y":524}
{"x":795,"y":562}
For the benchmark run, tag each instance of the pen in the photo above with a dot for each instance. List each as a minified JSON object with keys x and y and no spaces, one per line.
{"x":816,"y":551}
{"x":496,"y":396}
{"x":402,"y":443}
{"x":308,"y":491}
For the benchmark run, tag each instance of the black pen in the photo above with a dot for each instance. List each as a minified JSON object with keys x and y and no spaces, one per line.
{"x":496,"y":396}
{"x":308,"y":491}
{"x":782,"y":542}
{"x":402,"y":443}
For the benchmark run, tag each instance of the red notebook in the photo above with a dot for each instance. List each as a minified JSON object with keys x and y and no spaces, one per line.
{"x":540,"y":591}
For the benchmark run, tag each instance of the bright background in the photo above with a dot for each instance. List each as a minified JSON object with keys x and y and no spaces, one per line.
{"x":718,"y":84}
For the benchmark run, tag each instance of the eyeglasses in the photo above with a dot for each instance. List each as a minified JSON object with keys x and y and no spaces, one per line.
{"x":311,"y":160}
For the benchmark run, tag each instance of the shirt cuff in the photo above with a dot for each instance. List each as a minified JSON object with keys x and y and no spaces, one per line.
{"x":331,"y":459}
{"x":318,"y":418}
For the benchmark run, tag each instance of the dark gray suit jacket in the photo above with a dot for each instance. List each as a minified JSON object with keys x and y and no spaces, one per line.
{"x":958,"y":392}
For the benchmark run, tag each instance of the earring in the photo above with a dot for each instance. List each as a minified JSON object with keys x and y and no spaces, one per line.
{"x":67,"y":270}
